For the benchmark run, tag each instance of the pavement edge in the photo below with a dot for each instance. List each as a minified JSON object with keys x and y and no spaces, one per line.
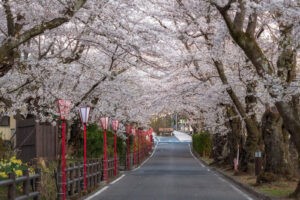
{"x":246,"y":188}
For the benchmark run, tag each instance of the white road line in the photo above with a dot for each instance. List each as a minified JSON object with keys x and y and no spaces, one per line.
{"x":117,"y":179}
{"x":153,"y":151}
{"x":223,"y":180}
{"x":195,"y":157}
{"x":239,"y":191}
{"x":235,"y":188}
{"x":97,"y":193}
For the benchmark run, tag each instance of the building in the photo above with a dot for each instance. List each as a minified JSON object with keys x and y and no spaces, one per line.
{"x":7,"y":127}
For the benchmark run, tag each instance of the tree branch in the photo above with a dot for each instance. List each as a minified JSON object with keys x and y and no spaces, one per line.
{"x":240,"y":16}
{"x":9,"y":19}
{"x":6,"y":60}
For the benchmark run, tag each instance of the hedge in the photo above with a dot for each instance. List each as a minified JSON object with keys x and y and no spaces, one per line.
{"x":202,"y":144}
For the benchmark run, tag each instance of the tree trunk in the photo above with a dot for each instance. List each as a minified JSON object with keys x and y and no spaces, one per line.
{"x":276,"y":143}
{"x":286,"y":65}
{"x":234,"y":136}
{"x":253,"y":131}
{"x":292,"y":124}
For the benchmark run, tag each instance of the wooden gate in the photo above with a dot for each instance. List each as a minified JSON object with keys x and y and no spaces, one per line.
{"x":34,"y":140}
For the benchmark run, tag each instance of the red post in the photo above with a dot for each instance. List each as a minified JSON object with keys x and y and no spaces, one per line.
{"x":138,"y":146}
{"x":128,"y":131}
{"x":128,"y":153}
{"x":134,"y":150}
{"x":84,"y":157}
{"x":63,"y":160}
{"x":64,"y":109}
{"x":151,"y":139}
{"x":115,"y":154}
{"x":115,"y":126}
{"x":105,"y":164}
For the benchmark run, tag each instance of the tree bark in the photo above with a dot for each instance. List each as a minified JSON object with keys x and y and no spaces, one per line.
{"x":253,"y":131}
{"x":286,"y":65}
{"x":293,"y":126}
{"x":276,"y":141}
{"x":234,"y":136}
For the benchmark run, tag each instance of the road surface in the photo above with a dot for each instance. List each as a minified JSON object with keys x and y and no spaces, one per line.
{"x":172,"y":173}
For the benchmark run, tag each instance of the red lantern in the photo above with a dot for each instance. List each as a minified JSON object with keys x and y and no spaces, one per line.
{"x":115,"y":124}
{"x":64,"y":107}
{"x":104,"y":122}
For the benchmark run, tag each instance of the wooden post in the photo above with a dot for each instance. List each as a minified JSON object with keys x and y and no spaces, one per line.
{"x":37,"y":182}
{"x":11,"y":194}
{"x":89,"y":172}
{"x":99,"y":170}
{"x":26,"y":183}
{"x":77,"y":175}
{"x":94,"y":172}
{"x":71,"y":178}
{"x":81,"y":175}
{"x":58,"y":180}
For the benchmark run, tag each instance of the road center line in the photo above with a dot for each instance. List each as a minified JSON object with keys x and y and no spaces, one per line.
{"x":97,"y":193}
{"x":117,"y":179}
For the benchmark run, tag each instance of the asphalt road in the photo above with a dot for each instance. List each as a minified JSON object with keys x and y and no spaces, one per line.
{"x":172,"y":173}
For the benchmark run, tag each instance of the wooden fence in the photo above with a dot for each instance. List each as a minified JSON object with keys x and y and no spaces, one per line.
{"x":27,"y":186}
{"x":30,"y":185}
{"x":75,"y":177}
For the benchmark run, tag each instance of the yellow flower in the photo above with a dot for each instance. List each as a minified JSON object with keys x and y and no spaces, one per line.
{"x":31,"y":171}
{"x":19,"y":173}
{"x":15,"y":160}
{"x":3,"y":175}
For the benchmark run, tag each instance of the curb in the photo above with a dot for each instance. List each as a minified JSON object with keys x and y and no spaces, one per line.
{"x":246,"y":188}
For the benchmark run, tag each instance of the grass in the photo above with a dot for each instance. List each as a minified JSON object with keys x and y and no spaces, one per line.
{"x":278,"y":189}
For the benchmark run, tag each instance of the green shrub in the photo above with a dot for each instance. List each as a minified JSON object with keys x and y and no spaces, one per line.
{"x":13,"y":165}
{"x":95,"y":143}
{"x":202,"y":144}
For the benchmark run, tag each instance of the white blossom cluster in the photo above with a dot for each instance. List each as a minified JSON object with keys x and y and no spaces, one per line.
{"x":132,"y":60}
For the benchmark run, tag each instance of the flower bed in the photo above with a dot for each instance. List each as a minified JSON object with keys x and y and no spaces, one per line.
{"x":13,"y":165}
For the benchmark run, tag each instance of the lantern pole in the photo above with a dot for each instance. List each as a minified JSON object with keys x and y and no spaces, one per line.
{"x":138,"y":146}
{"x":128,"y":130}
{"x":115,"y":125}
{"x":134,"y":146}
{"x":64,"y":109}
{"x":84,"y":157}
{"x":84,"y":116}
{"x":104,"y":123}
{"x":63,"y":158}
{"x":105,"y":175}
